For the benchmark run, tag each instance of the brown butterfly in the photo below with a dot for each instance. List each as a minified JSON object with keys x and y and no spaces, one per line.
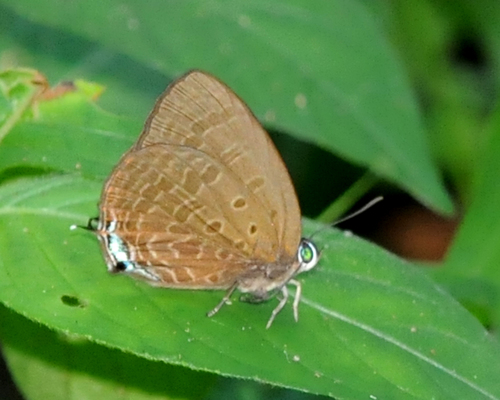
{"x":203,"y":200}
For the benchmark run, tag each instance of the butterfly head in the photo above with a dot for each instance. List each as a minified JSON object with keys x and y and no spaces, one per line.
{"x":308,"y":255}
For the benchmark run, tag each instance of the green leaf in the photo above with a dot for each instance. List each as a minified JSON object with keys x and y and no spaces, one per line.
{"x":18,"y":89}
{"x":68,"y":133}
{"x":320,"y":70}
{"x":57,"y":366}
{"x":370,"y":324}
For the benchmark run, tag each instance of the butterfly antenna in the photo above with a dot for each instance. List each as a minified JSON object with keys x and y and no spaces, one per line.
{"x":354,"y":214}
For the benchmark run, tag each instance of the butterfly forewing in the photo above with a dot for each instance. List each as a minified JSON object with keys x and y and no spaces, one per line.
{"x":201,"y":112}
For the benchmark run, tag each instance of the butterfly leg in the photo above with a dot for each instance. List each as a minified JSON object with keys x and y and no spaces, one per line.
{"x":279,"y":307}
{"x":226,"y":297}
{"x":296,"y":300}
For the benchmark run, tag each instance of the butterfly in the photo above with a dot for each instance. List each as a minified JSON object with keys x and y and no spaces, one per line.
{"x":203,"y":200}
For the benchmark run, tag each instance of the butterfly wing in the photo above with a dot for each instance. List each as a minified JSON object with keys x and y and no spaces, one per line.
{"x":203,"y":187}
{"x":201,"y":112}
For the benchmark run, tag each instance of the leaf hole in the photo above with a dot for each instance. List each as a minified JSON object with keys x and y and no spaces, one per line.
{"x":72,"y":301}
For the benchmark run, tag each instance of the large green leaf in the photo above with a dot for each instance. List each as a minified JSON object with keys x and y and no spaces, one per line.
{"x":370,"y":324}
{"x":364,"y":312}
{"x":320,"y":70}
{"x":52,"y":365}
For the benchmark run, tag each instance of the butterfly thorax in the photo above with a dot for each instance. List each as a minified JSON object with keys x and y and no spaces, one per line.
{"x":262,"y":281}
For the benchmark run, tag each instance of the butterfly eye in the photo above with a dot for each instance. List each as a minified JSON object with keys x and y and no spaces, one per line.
{"x":308,"y":255}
